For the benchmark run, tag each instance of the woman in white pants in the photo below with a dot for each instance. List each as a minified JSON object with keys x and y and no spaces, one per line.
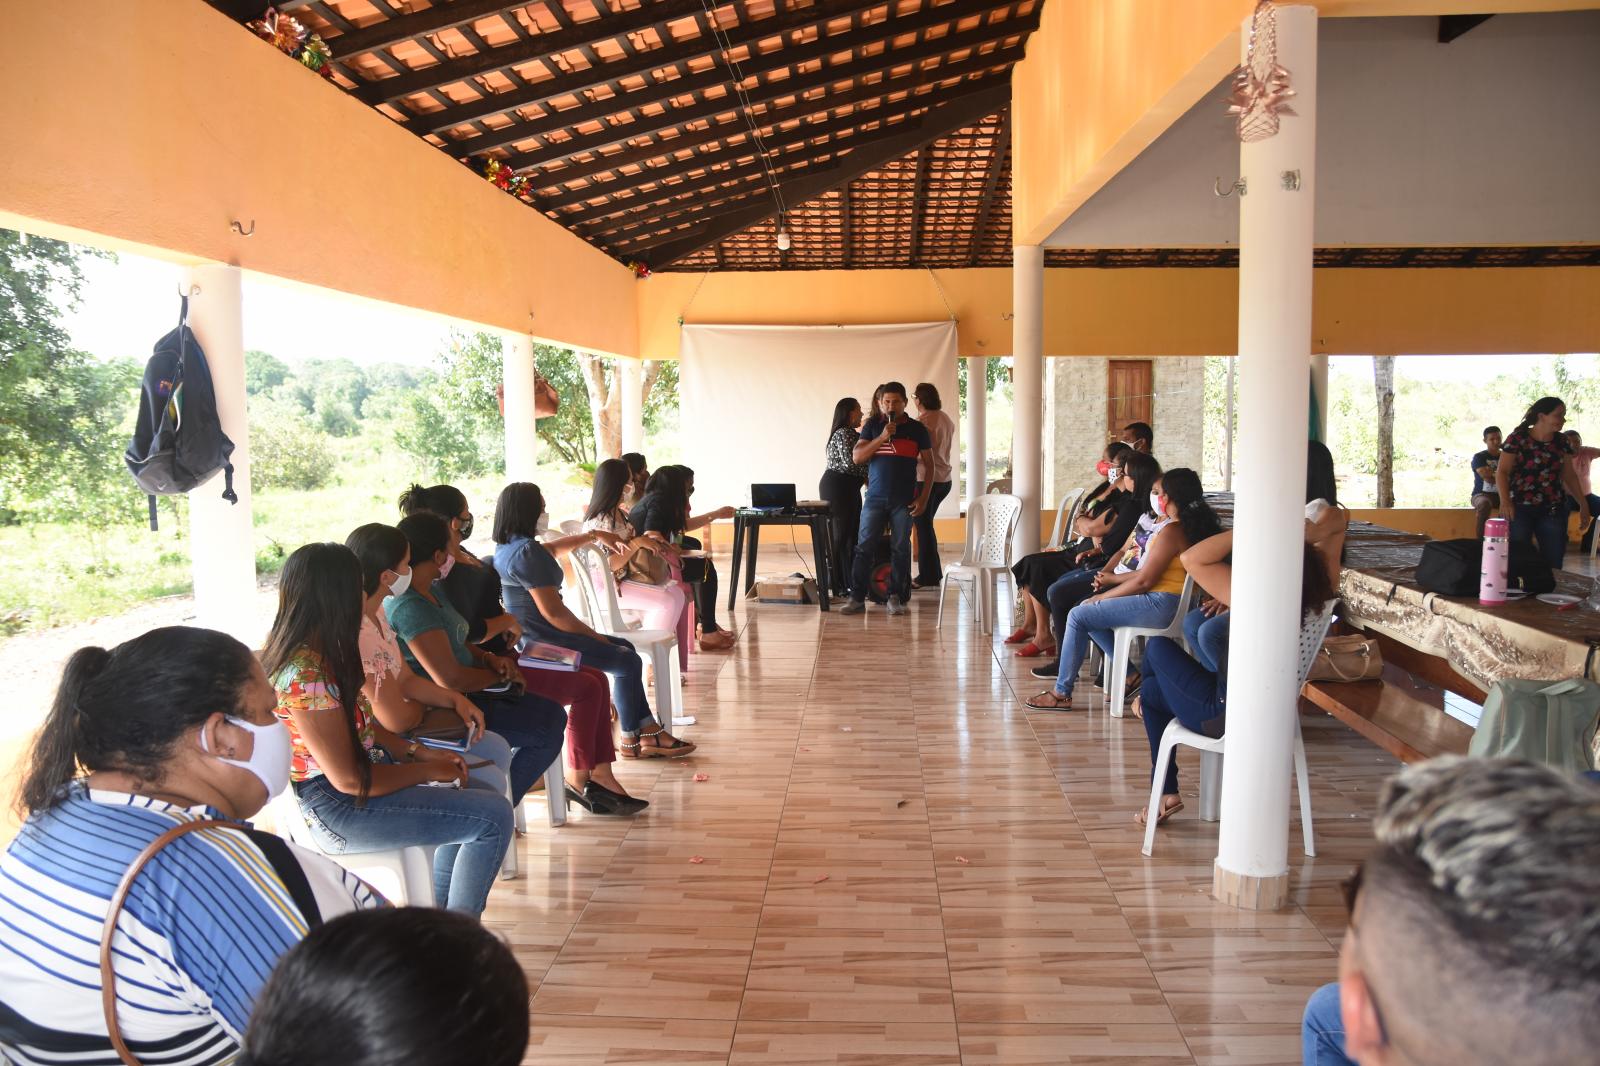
{"x":647,"y":571}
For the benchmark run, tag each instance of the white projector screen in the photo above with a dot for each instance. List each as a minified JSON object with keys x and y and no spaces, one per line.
{"x":758,"y":400}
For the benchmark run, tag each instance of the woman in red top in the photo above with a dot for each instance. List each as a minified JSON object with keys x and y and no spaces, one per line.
{"x":1535,"y":476}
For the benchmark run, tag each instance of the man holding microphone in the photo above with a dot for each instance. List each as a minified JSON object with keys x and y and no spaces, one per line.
{"x":890,"y":446}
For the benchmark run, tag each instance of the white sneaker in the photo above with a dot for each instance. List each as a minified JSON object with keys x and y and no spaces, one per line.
{"x":896,"y":605}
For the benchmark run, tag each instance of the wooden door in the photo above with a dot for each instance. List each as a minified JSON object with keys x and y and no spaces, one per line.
{"x":1130,"y":389}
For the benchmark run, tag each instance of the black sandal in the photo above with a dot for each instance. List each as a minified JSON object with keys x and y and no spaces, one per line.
{"x":663,"y":745}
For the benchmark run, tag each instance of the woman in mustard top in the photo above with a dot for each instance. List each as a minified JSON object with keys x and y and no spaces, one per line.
{"x":1144,"y":596}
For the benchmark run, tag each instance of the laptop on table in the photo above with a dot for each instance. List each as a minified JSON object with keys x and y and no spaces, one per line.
{"x":772,"y":499}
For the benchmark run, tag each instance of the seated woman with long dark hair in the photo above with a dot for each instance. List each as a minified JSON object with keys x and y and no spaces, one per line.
{"x":1146,"y":594}
{"x":430,"y":630}
{"x":1133,"y":524}
{"x":532,"y":580}
{"x":664,"y":510}
{"x":1080,"y":546}
{"x":168,"y":728}
{"x":645,"y":566}
{"x":358,"y":784}
{"x":1176,"y":685}
{"x":469,"y":582}
{"x":842,"y":481}
{"x":433,"y":639}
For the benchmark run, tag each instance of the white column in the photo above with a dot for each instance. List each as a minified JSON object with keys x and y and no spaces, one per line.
{"x":977,"y":425}
{"x":631,"y":374}
{"x":221,"y":535}
{"x":522,"y":437}
{"x":1027,"y":389}
{"x":1275,"y":256}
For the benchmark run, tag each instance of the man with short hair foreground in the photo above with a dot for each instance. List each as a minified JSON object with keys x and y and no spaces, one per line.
{"x":1474,"y":935}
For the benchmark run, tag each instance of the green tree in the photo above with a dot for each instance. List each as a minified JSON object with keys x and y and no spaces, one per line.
{"x":263,"y":371}
{"x":570,"y":431}
{"x":286,"y":451}
{"x":62,"y":413}
{"x":451,"y":425}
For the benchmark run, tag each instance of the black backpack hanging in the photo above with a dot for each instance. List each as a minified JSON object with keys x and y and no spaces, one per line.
{"x":178,"y":443}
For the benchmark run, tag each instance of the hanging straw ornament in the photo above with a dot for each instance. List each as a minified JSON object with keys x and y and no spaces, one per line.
{"x":1260,"y":86}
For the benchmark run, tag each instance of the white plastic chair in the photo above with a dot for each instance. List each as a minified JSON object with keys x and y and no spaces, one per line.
{"x":1115,"y":681}
{"x":409,"y":869}
{"x":555,"y":794}
{"x":1211,"y":749}
{"x":1066,"y":514}
{"x":597,"y":587}
{"x":991,"y":526}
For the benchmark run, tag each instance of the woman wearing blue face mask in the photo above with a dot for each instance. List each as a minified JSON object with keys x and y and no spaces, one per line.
{"x":172,"y":727}
{"x":358,"y":784}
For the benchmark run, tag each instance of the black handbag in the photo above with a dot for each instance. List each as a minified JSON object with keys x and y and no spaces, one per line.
{"x":1453,"y":568}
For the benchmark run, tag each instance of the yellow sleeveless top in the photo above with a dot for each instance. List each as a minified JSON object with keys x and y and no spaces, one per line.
{"x":1173,"y":577}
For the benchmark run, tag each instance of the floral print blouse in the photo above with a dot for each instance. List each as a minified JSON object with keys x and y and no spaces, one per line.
{"x":303,"y":686}
{"x":840,"y":445}
{"x":1536,"y":470}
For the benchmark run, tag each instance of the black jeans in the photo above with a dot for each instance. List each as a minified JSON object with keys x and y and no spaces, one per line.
{"x":929,"y":571}
{"x":1547,"y":527}
{"x":705,"y":592}
{"x":843,"y":493}
{"x":534,"y":727}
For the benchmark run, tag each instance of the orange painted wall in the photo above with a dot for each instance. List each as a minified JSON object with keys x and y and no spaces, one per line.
{"x":1102,"y":80}
{"x":165,"y":125}
{"x":1154,"y":312}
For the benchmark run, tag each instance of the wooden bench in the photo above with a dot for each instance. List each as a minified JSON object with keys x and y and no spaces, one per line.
{"x":1405,"y":713}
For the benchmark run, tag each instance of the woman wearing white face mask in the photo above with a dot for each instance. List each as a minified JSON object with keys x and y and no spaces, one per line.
{"x":173,"y":726}
{"x":357,"y":783}
{"x":1144,"y":594}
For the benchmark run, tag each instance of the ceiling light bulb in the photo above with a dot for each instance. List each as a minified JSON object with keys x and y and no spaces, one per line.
{"x":784,"y":242}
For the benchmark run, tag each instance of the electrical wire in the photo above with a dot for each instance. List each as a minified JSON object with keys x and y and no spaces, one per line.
{"x":746,"y":108}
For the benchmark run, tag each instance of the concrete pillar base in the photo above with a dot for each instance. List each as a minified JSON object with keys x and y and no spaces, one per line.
{"x":1249,"y":893}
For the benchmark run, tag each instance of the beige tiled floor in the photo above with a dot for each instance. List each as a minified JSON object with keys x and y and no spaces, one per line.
{"x":902,"y":865}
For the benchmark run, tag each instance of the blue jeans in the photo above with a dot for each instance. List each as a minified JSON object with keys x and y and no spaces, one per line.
{"x":1207,"y":638}
{"x":876,"y":512}
{"x":471,"y":828}
{"x":534,"y":727}
{"x":491,"y":747}
{"x":1322,"y":1030}
{"x":1175,"y":686}
{"x":1549,"y":529}
{"x":1096,"y":621}
{"x":1065,"y":593}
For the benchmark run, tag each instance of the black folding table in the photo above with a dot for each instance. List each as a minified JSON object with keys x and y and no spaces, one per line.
{"x":747,"y":525}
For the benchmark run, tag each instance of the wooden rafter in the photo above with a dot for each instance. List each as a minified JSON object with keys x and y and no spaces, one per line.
{"x":919,"y":202}
{"x":991,"y":185}
{"x":909,"y":137}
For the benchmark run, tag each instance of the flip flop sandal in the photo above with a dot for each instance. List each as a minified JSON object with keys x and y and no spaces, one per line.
{"x":1166,"y":812}
{"x":1136,"y":708}
{"x":1057,"y":703}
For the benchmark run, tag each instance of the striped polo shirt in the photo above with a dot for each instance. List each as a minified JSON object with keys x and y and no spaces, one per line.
{"x":202,"y":928}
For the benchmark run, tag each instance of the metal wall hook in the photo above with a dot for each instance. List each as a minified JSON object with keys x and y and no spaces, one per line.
{"x":1240,"y":186}
{"x":241,"y":231}
{"x":194,"y":290}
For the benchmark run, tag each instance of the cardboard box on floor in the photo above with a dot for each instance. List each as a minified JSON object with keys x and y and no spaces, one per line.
{"x":793,"y":588}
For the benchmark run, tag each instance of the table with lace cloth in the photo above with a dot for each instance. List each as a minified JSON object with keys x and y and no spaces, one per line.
{"x":1522,"y":640}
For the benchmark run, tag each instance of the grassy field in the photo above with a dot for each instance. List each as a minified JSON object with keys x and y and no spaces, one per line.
{"x":71,"y":572}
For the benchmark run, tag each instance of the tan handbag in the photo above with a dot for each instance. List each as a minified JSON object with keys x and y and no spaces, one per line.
{"x":108,"y":976}
{"x":648,"y":568}
{"x":1347,"y":658}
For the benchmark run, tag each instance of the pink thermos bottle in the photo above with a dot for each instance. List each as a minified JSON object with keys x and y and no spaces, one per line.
{"x":1492,"y":577}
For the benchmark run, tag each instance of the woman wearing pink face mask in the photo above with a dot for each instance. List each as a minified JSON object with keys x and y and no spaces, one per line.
{"x":1145,"y":594}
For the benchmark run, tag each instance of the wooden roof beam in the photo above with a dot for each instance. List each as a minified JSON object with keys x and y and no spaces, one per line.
{"x":664,"y":91}
{"x":768,"y":121}
{"x":403,"y":28}
{"x":762,"y":94}
{"x":655,"y":14}
{"x":991,"y":184}
{"x":866,"y":156}
{"x":919,"y":192}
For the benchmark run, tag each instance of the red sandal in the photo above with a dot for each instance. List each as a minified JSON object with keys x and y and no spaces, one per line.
{"x":1019,"y":636}
{"x":1031,"y":650}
